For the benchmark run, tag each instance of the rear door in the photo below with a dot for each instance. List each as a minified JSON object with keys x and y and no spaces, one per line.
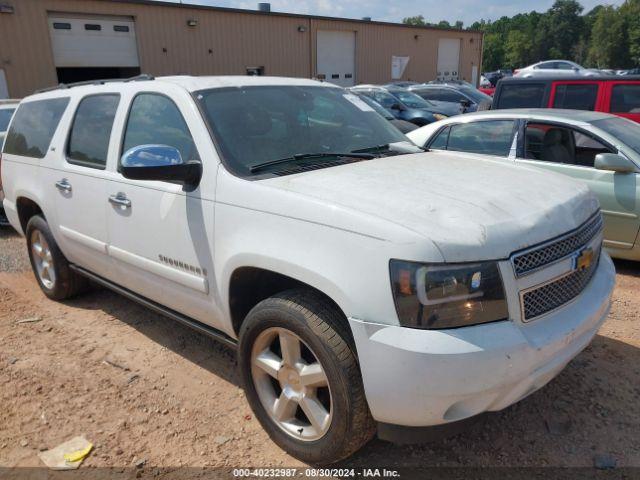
{"x":79,"y":184}
{"x":488,"y":137}
{"x":622,"y":98}
{"x":571,"y":151}
{"x":576,"y":95}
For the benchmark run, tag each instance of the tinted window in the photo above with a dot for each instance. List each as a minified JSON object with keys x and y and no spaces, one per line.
{"x":254,"y":125}
{"x":411,"y":99}
{"x":576,"y":97}
{"x":551,"y":143}
{"x":489,"y":138}
{"x":155,"y":120}
{"x":516,"y":95}
{"x":563,"y":66}
{"x":91,"y":130}
{"x":624,"y":99}
{"x":441,"y":140}
{"x":5,"y":118}
{"x":547,"y":66}
{"x":33,"y":127}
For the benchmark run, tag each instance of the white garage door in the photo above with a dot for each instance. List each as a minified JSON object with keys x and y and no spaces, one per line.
{"x":336,"y":57}
{"x":448,"y":58}
{"x":93,"y":41}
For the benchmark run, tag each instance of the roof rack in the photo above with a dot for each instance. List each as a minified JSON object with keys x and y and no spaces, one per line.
{"x":137,"y":78}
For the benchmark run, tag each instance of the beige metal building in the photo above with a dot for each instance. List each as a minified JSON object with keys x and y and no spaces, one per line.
{"x":43,"y":42}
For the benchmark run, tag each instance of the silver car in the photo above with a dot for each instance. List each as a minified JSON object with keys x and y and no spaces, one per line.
{"x":558,"y":68}
{"x":596,"y":148}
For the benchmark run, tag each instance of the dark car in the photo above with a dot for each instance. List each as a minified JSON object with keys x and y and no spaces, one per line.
{"x":610,"y":94}
{"x":467,"y":97}
{"x":402,"y":125}
{"x":405,"y":105}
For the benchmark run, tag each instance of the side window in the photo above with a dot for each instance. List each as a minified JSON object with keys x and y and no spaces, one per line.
{"x":521,"y":96}
{"x":576,"y":96}
{"x":441,"y":140}
{"x":563,"y":66}
{"x":451,"y":96}
{"x":551,"y":143}
{"x":33,"y":127}
{"x":625,"y":98}
{"x":91,"y":130}
{"x":155,"y":120}
{"x":5,"y":118}
{"x":488,"y":138}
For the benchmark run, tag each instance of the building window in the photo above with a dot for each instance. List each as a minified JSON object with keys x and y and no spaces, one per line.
{"x":120,"y":28}
{"x":61,"y":26}
{"x":92,"y":26}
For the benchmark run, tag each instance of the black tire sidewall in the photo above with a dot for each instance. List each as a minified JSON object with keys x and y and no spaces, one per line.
{"x":60,"y":264}
{"x":328,"y":448}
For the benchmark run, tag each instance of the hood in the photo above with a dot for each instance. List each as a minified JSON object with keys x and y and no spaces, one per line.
{"x":471,"y":209}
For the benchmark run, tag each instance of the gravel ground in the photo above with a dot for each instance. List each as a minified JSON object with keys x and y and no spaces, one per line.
{"x":148,"y":391}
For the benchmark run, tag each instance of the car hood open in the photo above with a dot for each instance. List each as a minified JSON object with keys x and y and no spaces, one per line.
{"x":470,"y":208}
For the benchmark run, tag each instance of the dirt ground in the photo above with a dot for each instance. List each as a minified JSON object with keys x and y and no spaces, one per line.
{"x":145,"y":389}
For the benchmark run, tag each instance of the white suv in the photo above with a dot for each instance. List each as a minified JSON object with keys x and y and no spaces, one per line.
{"x":367,"y":285}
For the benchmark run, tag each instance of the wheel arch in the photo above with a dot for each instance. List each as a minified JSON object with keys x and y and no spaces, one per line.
{"x":249,"y":285}
{"x":27,"y":208}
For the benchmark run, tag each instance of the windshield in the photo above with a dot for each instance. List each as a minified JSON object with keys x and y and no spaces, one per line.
{"x":254,"y":125}
{"x":411,"y":100}
{"x":5,"y":118}
{"x":626,"y":131}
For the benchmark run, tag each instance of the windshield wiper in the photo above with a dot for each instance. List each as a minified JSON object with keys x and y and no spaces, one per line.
{"x":305,"y":156}
{"x":391,"y":148}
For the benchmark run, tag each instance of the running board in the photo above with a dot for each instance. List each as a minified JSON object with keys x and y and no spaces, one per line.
{"x":156,"y":307}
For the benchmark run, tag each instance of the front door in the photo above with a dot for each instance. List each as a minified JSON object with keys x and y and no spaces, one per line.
{"x":572,"y":152}
{"x":160,"y":234}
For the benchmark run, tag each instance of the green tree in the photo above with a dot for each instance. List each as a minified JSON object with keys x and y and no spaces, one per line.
{"x":518,"y":49}
{"x":565,"y":25}
{"x":417,"y":20}
{"x":630,"y":11}
{"x":608,"y":39}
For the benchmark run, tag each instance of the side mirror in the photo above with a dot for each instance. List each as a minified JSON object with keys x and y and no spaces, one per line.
{"x":614,"y":163}
{"x":465,"y":102}
{"x":159,"y":162}
{"x":397,"y":106}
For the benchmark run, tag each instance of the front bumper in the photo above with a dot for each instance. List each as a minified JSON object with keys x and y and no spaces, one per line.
{"x":431,"y":377}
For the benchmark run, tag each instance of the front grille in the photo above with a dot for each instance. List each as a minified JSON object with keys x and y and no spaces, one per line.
{"x":555,"y":294}
{"x":533,"y":259}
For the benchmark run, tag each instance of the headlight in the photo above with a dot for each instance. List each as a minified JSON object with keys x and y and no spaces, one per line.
{"x":439,"y":116}
{"x":447,"y":296}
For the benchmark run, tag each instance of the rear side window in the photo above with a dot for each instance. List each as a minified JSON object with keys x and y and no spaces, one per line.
{"x":516,"y":95}
{"x":33,"y":127}
{"x":624,"y":99}
{"x":155,"y":120}
{"x":441,"y":140}
{"x":91,"y":130}
{"x":488,"y":138}
{"x":576,"y":97}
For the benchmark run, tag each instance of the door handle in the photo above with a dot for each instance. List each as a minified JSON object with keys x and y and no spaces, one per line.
{"x":120,"y":200}
{"x":63,"y":185}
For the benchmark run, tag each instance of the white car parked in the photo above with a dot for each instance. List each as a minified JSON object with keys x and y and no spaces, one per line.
{"x":366,"y":284}
{"x":7,"y":107}
{"x":558,"y":68}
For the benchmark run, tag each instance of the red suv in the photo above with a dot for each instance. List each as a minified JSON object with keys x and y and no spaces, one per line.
{"x":610,"y":94}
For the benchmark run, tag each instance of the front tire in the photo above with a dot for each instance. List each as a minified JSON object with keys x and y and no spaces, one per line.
{"x":302,"y":379}
{"x":51,"y":268}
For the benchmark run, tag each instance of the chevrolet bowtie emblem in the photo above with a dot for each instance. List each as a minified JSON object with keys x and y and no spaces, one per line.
{"x":584,"y":259}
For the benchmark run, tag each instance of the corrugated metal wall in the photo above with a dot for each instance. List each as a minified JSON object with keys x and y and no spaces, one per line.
{"x":223,"y":42}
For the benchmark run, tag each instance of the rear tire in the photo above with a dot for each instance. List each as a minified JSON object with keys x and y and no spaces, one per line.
{"x":51,"y":268}
{"x":334,"y":396}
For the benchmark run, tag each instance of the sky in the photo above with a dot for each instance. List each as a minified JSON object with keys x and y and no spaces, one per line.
{"x":395,"y":10}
